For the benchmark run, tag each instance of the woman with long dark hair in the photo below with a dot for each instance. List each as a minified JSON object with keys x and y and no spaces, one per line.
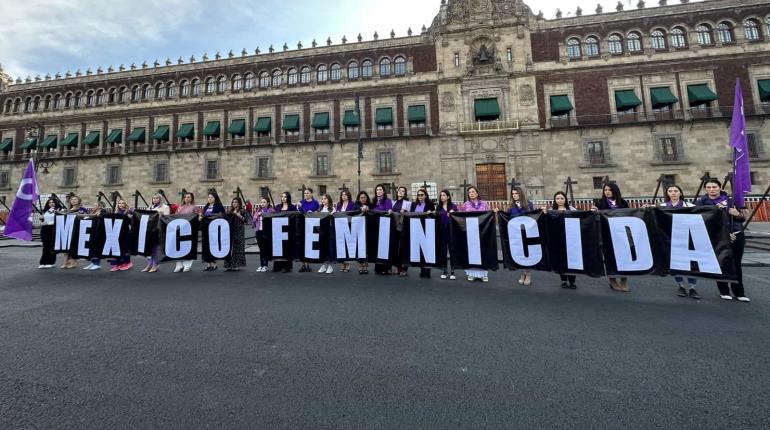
{"x":715,"y":196}
{"x":237,"y":218}
{"x":213,"y":206}
{"x":365,"y":204}
{"x":327,"y":206}
{"x":475,"y":204}
{"x":446,"y":207}
{"x":423,"y":204}
{"x":400,"y":205}
{"x":675,"y":199}
{"x":384,"y":204}
{"x":519,"y":206}
{"x":346,"y":204}
{"x":612,"y":199}
{"x":560,"y":204}
{"x":284,"y":265}
{"x":153,"y":261}
{"x":48,"y":233}
{"x":187,"y":207}
{"x":124,"y":261}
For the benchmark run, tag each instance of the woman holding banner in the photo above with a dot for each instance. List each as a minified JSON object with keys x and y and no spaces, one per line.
{"x":675,"y":199}
{"x":383,"y":204}
{"x":307,"y":205}
{"x":346,"y":204}
{"x":475,"y":204}
{"x":284,"y":266}
{"x":445,"y":208}
{"x":213,"y":207}
{"x":236,"y":217}
{"x":520,"y":206}
{"x":560,"y":204}
{"x":327,"y":206}
{"x":48,"y":233}
{"x":262,"y":242}
{"x":423,"y":205}
{"x":364,"y":203}
{"x":612,"y":199}
{"x":153,"y":261}
{"x":400,"y":205}
{"x":99,"y":210}
{"x":124,"y":261}
{"x":716,"y":197}
{"x":188,"y":207}
{"x":76,"y":207}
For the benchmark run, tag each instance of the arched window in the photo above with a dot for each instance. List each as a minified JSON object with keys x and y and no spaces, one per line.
{"x":573,"y":48}
{"x":704,"y":34}
{"x":353,"y":70}
{"x":725,"y":32}
{"x":8,"y":106}
{"x":751,"y":29}
{"x":385,"y":67}
{"x":634,"y":42}
{"x":322,"y":75}
{"x":146,"y":92}
{"x":122,"y":93}
{"x":336,"y":72}
{"x":78,"y":99}
{"x":658,"y":38}
{"x":304,"y":75}
{"x":292,"y":76}
{"x":47,"y":103}
{"x":400,"y":66}
{"x":170,"y":89}
{"x":615,"y":45}
{"x":277,"y":78}
{"x":159,"y":91}
{"x":68,"y":100}
{"x":36,"y":104}
{"x":195,"y":87}
{"x":57,"y":101}
{"x":184,"y":88}
{"x":237,"y":83}
{"x":264,"y":80}
{"x":99,"y":97}
{"x":211,"y":86}
{"x":248,"y":81}
{"x":767,"y":25}
{"x":221,"y":84}
{"x":592,"y":46}
{"x":111,"y":95}
{"x":27,"y":104}
{"x":16,"y":105}
{"x":366,"y":69}
{"x":678,"y":38}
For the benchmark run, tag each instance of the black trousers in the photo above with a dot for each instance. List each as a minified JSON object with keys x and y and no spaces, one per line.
{"x":568,"y":278}
{"x":445,"y":255}
{"x":737,"y":287}
{"x":263,"y":243}
{"x":48,"y":236}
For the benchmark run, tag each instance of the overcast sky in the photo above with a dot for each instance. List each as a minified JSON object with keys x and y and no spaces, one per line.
{"x":50,"y":36}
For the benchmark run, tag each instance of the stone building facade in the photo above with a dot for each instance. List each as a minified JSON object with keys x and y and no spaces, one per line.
{"x":489,"y":92}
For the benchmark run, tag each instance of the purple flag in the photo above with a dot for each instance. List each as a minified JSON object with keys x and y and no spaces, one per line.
{"x":740,"y":143}
{"x":19,"y":224}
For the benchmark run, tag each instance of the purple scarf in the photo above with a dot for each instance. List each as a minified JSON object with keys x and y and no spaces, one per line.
{"x":678,"y":205}
{"x":720,"y":201}
{"x":611,"y":203}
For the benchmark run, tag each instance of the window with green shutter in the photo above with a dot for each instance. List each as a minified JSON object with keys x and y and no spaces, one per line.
{"x":186,"y":131}
{"x":486,"y":109}
{"x":161,"y":133}
{"x":212,"y":129}
{"x":291,"y":122}
{"x":70,"y":141}
{"x":137,"y":135}
{"x":237,"y":128}
{"x":662,"y":97}
{"x":560,"y":105}
{"x":626,"y":100}
{"x":700,"y":95}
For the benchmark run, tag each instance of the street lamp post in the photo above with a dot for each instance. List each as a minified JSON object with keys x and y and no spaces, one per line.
{"x":360,"y":141}
{"x":35,"y":132}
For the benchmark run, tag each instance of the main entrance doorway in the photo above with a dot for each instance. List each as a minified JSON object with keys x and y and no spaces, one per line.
{"x":491,"y":181}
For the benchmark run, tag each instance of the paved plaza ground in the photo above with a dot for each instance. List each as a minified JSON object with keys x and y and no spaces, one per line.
{"x":262,"y":350}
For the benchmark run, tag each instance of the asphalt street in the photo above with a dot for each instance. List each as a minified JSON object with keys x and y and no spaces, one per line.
{"x":261,"y":350}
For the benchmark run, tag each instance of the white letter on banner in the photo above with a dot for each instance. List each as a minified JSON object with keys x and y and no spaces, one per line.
{"x":383,"y":242}
{"x":619,"y":226}
{"x":516,"y":241}
{"x":84,"y":236}
{"x":279,"y":236}
{"x":574,"y":243}
{"x":174,"y":230}
{"x":219,"y":238}
{"x":144,"y":220}
{"x":64,"y":226}
{"x":112,"y":229}
{"x":683,"y":227}
{"x":474,"y":241}
{"x":311,"y":238}
{"x":351,"y":240}
{"x":422,"y":240}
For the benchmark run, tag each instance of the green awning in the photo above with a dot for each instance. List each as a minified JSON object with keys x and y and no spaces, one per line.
{"x":626,"y":100}
{"x":70,"y":140}
{"x":161,"y":133}
{"x":700,"y":95}
{"x":264,"y":124}
{"x":291,"y":122}
{"x":137,"y":135}
{"x":321,"y":120}
{"x":30,"y":143}
{"x":416,"y":113}
{"x":49,"y":142}
{"x":486,"y":109}
{"x":115,"y":136}
{"x":662,"y":97}
{"x":237,"y":127}
{"x":560,"y":105}
{"x":212,"y":129}
{"x":384,"y":116}
{"x":7,"y":144}
{"x":350,"y":119}
{"x":764,"y":89}
{"x":92,"y":138}
{"x":186,"y":131}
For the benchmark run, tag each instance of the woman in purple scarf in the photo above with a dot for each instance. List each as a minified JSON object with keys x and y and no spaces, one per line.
{"x":675,"y":199}
{"x":612,"y":199}
{"x":384,"y":204}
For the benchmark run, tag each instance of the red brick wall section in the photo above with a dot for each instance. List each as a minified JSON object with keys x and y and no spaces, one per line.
{"x":545,"y":45}
{"x":725,"y":73}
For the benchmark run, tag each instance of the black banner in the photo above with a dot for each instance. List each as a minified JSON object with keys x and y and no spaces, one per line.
{"x":573,"y":243}
{"x":695,"y":242}
{"x":524,"y":241}
{"x":315,"y":230}
{"x":114,"y":236}
{"x":281,"y":233}
{"x":349,"y":233}
{"x":86,"y":235}
{"x":473,"y":241}
{"x":628,"y":243}
{"x":64,"y":226}
{"x":179,"y":237}
{"x":215,"y":238}
{"x":144,"y":228}
{"x":420,"y":240}
{"x":382,"y":237}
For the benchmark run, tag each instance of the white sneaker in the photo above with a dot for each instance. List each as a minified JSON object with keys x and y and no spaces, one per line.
{"x":329,"y":269}
{"x":322,"y":269}
{"x":186,"y":269}
{"x":743,"y":299}
{"x":452,"y":277}
{"x":94,"y":267}
{"x":178,"y":269}
{"x":485,"y":279}
{"x":89,"y":266}
{"x":42,"y":266}
{"x":726,"y":297}
{"x":470,"y":278}
{"x":443,"y":276}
